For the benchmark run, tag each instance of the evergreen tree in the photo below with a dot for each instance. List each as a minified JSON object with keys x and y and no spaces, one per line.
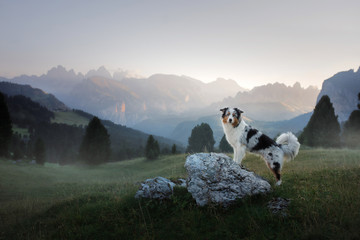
{"x":95,"y":146}
{"x":224,"y":145}
{"x":39,"y":151}
{"x":351,"y":133}
{"x":5,"y":127}
{"x":152,"y":149}
{"x":201,"y":139}
{"x":323,"y":129}
{"x":173,"y":149}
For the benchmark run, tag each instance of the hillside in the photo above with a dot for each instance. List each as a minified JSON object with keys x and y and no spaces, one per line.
{"x":342,"y":88}
{"x":37,"y":95}
{"x":62,"y":131}
{"x":26,"y":113}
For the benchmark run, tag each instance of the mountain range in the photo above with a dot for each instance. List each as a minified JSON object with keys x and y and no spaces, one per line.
{"x":273,"y":102}
{"x":129,"y":100}
{"x":171,"y":105}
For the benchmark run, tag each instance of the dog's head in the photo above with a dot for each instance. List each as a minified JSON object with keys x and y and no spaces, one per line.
{"x":231,"y":116}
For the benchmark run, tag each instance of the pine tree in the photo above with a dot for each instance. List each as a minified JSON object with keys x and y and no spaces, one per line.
{"x":152,"y":149}
{"x":39,"y":151}
{"x":351,"y":133}
{"x":224,"y":145}
{"x":95,"y":147}
{"x":323,"y":128}
{"x":5,"y":127}
{"x":173,"y":149}
{"x":201,"y":139}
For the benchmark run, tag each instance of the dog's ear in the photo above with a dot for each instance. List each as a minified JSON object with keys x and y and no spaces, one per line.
{"x":238,"y":111}
{"x":224,"y":109}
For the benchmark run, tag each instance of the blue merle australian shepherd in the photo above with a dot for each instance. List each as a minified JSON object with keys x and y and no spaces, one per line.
{"x":243,"y":137}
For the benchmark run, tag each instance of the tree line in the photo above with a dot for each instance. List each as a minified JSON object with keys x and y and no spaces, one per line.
{"x":324,"y":130}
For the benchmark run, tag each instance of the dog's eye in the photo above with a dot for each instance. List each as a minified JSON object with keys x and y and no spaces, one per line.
{"x":228,"y":114}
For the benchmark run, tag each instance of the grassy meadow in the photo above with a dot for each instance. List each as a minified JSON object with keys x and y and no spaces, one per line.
{"x":82,"y":202}
{"x":70,"y":118}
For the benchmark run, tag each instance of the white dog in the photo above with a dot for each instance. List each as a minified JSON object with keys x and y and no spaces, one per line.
{"x":243,"y":137}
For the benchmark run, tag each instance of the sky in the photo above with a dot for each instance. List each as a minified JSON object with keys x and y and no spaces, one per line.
{"x":252,"y":42}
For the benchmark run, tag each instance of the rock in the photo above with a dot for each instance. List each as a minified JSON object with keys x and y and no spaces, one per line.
{"x":158,"y":188}
{"x":216,"y":178}
{"x":279,"y":206}
{"x":180,"y":182}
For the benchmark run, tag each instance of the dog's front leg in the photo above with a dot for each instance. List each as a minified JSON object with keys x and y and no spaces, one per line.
{"x":239,"y":153}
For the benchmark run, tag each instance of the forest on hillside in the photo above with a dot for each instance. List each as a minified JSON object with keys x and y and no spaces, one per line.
{"x":31,"y":121}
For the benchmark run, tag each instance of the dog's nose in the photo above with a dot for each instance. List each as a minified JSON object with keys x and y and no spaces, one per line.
{"x":230,"y":120}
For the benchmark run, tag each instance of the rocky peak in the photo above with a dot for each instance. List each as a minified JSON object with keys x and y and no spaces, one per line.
{"x":101,"y":72}
{"x":61,"y":73}
{"x":342,"y":88}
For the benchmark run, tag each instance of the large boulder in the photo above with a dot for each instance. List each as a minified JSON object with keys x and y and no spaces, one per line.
{"x":216,"y":178}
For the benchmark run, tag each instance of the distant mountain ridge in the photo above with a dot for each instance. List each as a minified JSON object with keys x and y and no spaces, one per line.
{"x":126,"y":100}
{"x":342,"y":88}
{"x":273,"y":102}
{"x":170,"y":105}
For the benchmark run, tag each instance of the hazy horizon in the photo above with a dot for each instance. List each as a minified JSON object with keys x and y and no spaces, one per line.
{"x":253,"y":43}
{"x":133,"y":75}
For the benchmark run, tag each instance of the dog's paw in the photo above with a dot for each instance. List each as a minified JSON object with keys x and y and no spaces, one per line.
{"x":278,"y":183}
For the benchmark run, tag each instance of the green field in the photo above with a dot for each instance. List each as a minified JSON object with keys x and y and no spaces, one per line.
{"x":21,"y":131}
{"x":80,"y":202}
{"x":70,"y":118}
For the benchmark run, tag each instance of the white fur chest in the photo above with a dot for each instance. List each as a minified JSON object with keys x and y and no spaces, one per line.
{"x":233,"y":134}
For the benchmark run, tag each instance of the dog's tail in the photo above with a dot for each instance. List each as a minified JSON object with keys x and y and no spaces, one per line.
{"x":289,"y":144}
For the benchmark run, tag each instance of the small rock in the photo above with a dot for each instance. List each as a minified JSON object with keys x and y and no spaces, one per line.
{"x":182,"y":182}
{"x":216,"y":178}
{"x":158,"y":188}
{"x":279,"y":206}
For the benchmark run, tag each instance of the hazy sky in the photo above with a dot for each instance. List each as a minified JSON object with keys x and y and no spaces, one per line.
{"x":252,"y":42}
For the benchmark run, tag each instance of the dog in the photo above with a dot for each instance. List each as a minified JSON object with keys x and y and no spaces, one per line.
{"x":243,"y":137}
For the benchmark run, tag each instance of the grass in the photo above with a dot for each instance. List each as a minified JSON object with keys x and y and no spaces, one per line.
{"x":21,"y":131}
{"x":70,"y":118}
{"x":79,"y":202}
